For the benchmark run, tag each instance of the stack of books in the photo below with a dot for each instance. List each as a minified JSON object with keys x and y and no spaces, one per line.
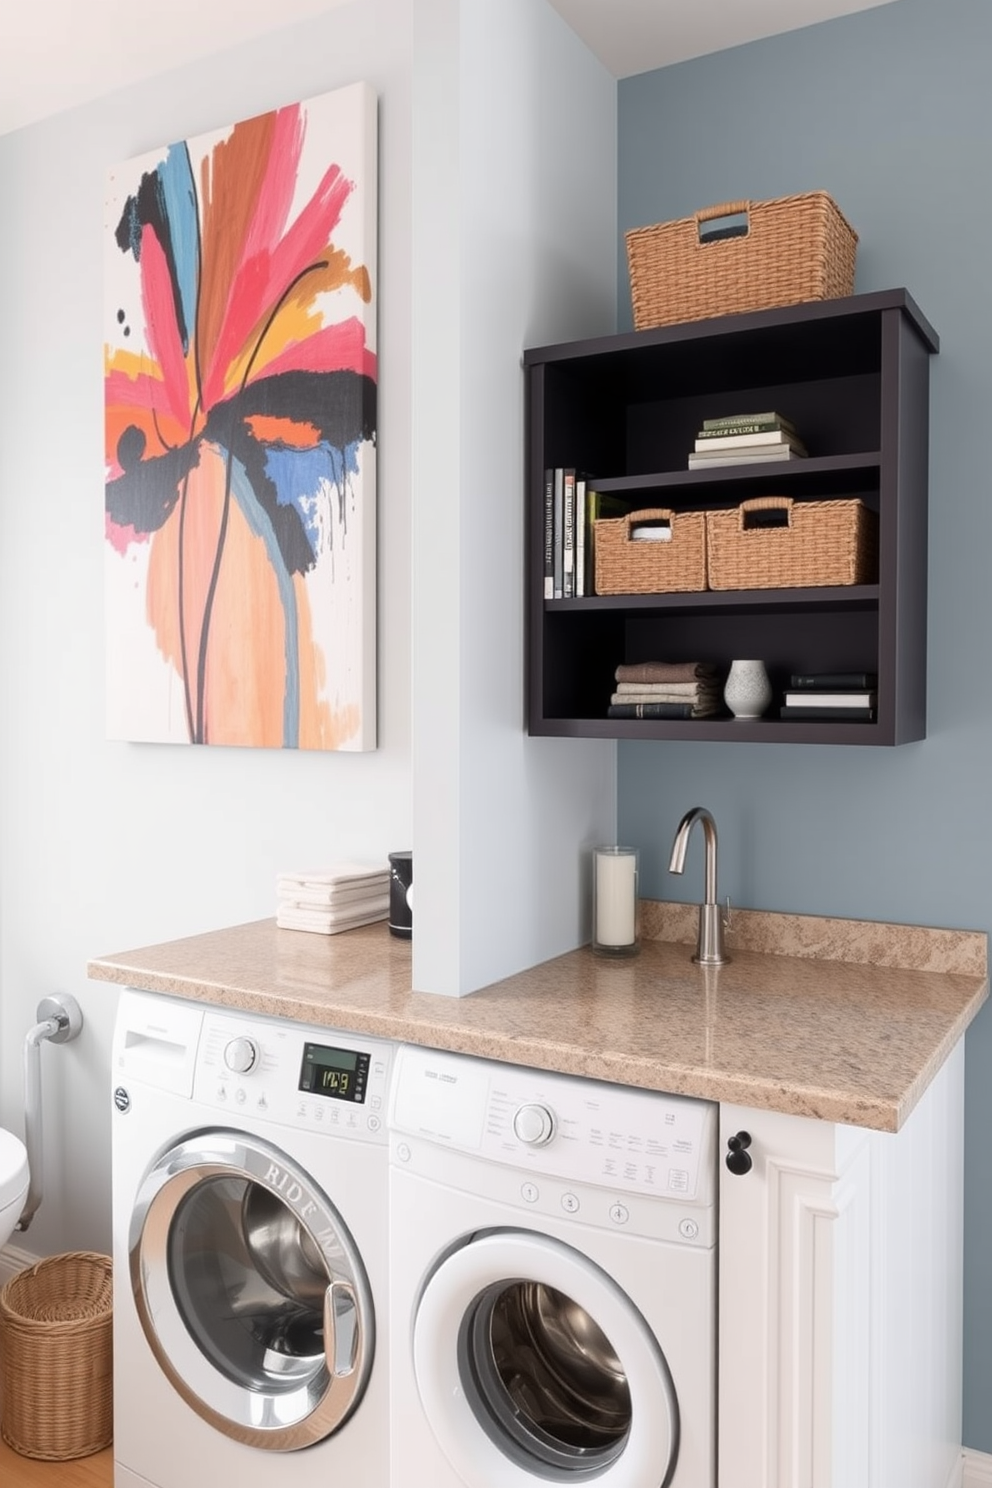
{"x":667,"y":689}
{"x":571,"y":510}
{"x":746,"y":438}
{"x":831,"y":697}
{"x":327,"y":901}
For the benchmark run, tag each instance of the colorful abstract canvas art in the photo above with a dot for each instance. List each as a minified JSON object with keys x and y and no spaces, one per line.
{"x":240,"y":412}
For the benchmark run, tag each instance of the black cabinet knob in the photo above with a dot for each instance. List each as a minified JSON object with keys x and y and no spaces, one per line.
{"x":738,"y":1159}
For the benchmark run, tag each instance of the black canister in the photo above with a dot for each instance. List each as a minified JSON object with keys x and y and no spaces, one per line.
{"x":401,"y":894}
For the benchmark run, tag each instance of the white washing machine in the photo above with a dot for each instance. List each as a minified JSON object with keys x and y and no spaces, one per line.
{"x":552,"y":1279}
{"x":250,"y":1250}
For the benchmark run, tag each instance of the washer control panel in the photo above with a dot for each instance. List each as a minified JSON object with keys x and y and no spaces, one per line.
{"x":319,"y":1079}
{"x":557,"y":1126}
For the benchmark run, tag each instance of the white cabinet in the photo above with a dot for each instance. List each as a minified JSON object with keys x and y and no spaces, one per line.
{"x":841,"y":1299}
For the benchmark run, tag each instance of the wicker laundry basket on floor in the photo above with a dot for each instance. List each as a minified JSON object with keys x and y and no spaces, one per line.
{"x":56,"y":1357}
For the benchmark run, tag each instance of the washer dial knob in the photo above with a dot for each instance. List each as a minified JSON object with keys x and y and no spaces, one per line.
{"x":533,"y":1125}
{"x":241,"y":1055}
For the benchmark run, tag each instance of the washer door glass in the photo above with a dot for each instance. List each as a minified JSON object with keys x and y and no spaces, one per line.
{"x":532,"y":1363}
{"x":250,"y":1291}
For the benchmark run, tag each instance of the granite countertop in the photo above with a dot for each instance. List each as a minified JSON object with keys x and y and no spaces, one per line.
{"x":841,"y":1020}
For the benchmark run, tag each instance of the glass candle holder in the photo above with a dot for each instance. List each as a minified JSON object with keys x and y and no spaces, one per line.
{"x":614,"y":901}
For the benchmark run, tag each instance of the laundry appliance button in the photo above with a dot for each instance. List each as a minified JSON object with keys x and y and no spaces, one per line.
{"x":241,"y":1055}
{"x":533,"y":1124}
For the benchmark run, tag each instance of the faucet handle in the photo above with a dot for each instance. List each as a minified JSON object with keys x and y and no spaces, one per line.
{"x":728,"y":915}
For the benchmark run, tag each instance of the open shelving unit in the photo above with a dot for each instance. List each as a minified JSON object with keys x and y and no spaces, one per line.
{"x":853,"y":376}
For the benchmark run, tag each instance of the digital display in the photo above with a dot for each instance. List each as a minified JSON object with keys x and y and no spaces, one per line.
{"x":340,"y":1074}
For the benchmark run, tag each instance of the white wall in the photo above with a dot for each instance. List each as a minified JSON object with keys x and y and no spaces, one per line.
{"x":515,"y":246}
{"x":508,"y":240}
{"x":106,"y":846}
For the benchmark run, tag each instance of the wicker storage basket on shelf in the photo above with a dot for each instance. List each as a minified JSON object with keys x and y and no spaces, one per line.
{"x":626,"y":566}
{"x":820,"y":543}
{"x":56,"y":1357}
{"x":793,"y":249}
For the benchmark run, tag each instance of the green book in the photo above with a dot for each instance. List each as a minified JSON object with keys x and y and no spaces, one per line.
{"x":598,"y":506}
{"x":732,"y":423}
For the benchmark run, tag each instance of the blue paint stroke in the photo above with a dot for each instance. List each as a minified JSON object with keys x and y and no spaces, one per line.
{"x":179,"y":200}
{"x":261,"y":525}
{"x":298,"y":476}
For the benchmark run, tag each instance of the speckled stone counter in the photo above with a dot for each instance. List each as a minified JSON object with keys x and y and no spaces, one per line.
{"x":836,"y":1019}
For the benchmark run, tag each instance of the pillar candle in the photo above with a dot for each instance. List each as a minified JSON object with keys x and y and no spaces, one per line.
{"x":615,"y":898}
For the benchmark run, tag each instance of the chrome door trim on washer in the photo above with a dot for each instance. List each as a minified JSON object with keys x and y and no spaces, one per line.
{"x":250,"y":1291}
{"x":488,"y":1441}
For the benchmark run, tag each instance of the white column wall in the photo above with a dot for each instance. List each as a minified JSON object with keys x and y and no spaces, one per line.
{"x":515,"y":246}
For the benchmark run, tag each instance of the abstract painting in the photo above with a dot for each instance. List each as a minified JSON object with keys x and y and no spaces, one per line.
{"x":240,"y":414}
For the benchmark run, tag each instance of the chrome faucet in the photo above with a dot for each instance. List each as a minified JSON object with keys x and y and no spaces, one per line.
{"x":709,"y":946}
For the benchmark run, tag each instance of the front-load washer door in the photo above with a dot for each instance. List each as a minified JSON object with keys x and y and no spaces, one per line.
{"x":532,"y":1364}
{"x":250,"y":1291}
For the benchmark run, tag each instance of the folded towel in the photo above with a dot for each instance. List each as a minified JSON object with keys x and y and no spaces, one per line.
{"x":289,"y":919}
{"x":666,"y":671}
{"x":667,"y":689}
{"x":338,"y":873}
{"x":668,"y":695}
{"x":333,"y":913}
{"x":331,"y":897}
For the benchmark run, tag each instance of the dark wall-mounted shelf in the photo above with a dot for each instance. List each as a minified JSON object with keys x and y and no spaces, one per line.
{"x":853,"y":375}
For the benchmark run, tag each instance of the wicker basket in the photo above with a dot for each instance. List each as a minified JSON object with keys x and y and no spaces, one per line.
{"x":626,"y":566}
{"x":56,"y":1356}
{"x":791,"y":249}
{"x":820,"y":543}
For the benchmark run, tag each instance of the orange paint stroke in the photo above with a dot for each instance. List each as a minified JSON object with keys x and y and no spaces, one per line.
{"x":274,"y":429}
{"x":231,"y":190}
{"x":244,"y":686}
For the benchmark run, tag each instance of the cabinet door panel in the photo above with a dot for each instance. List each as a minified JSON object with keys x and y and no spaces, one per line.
{"x":777,"y":1298}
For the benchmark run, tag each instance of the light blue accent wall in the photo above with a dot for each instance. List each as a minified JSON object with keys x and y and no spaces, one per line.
{"x":890,"y":111}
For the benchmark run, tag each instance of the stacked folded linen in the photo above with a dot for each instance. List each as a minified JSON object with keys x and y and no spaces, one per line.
{"x":330,"y":900}
{"x":665,"y":689}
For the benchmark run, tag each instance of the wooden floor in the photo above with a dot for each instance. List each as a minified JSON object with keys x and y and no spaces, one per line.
{"x":87,"y":1472}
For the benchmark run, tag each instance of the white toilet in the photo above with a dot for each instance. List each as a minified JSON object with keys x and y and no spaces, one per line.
{"x":14,"y":1178}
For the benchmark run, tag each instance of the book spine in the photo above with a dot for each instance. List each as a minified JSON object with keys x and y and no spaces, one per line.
{"x":833,"y":680}
{"x":752,"y":439}
{"x":726,"y":430}
{"x":549,"y":534}
{"x":559,"y":512}
{"x":568,"y":551}
{"x":649,"y":710}
{"x":581,"y":538}
{"x":831,"y":715}
{"x":742,"y":457}
{"x":760,"y":420}
{"x":802,"y":699}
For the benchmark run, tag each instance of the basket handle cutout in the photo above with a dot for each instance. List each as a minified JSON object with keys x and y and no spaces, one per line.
{"x":658,"y":519}
{"x":762,"y":512}
{"x":728,"y":220}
